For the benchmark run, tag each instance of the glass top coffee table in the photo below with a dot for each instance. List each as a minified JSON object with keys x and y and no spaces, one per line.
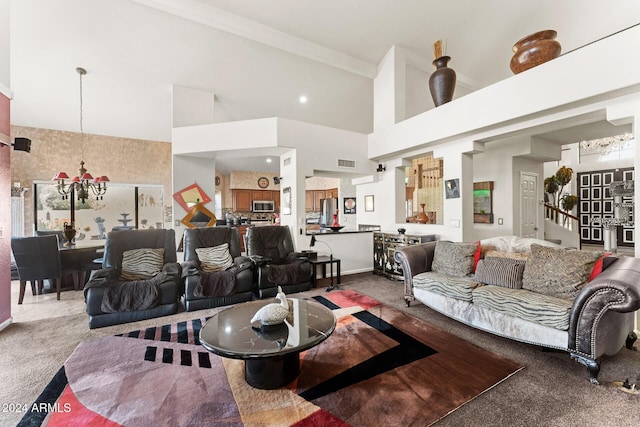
{"x":271,"y":353}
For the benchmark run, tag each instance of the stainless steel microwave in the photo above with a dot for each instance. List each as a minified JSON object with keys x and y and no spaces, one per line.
{"x":264,"y":206}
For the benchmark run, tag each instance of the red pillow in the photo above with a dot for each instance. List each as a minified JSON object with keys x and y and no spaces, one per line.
{"x":597,"y":267}
{"x":478,"y":254}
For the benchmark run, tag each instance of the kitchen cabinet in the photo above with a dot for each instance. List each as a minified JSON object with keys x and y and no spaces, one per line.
{"x":313,"y":197}
{"x":276,"y":199}
{"x":242,"y":200}
{"x":242,"y":231}
{"x":317,"y":196}
{"x":308,"y":201}
{"x":262,"y":194}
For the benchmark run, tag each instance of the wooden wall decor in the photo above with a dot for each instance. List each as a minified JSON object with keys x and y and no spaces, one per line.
{"x":483,"y":202}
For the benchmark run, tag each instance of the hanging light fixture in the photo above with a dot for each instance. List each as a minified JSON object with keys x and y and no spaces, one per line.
{"x":83,"y":184}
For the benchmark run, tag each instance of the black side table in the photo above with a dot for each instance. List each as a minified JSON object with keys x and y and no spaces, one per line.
{"x":323,"y":260}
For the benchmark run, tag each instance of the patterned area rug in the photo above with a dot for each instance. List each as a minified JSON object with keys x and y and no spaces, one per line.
{"x":380,"y":367}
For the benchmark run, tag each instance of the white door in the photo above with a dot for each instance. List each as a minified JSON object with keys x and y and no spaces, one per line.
{"x":528,"y":204}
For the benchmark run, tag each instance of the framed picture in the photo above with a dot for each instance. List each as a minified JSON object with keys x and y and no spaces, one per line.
{"x":349,"y":205}
{"x":199,"y":216}
{"x":368,"y":203}
{"x":190,"y":196}
{"x":452,"y":188}
{"x":286,"y":201}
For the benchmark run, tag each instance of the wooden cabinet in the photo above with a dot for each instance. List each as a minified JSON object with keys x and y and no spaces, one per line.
{"x":242,"y":200}
{"x":308,"y":201}
{"x":276,"y":200}
{"x":313,"y":197}
{"x":317,"y":196}
{"x":262,"y":194}
{"x":242,"y":231}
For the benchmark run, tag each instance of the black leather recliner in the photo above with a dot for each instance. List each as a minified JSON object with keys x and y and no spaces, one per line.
{"x":169,"y":290}
{"x":279,"y":266}
{"x":238,"y":277}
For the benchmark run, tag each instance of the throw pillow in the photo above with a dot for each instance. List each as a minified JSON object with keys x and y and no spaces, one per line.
{"x":505,"y":272}
{"x":215,"y":258}
{"x":502,"y":254}
{"x":558,"y":272}
{"x":597,"y":267}
{"x":454,"y":258}
{"x":477,"y":255}
{"x":139,"y":264}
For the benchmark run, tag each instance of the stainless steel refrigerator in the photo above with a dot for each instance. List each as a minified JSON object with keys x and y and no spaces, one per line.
{"x":328,"y":208}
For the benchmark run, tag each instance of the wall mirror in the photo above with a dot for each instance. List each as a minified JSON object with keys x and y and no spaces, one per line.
{"x":190,"y":196}
{"x":483,"y":202}
{"x":199,"y":216}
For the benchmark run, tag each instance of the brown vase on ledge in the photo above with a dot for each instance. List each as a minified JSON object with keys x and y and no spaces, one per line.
{"x":442,"y":81}
{"x":534,"y":50}
{"x":422,"y":217}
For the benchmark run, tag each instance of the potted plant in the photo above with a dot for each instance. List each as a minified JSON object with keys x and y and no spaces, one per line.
{"x":554,"y":186}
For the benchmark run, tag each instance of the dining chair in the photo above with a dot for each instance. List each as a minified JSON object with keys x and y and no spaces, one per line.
{"x":38,"y":258}
{"x":54,"y":233}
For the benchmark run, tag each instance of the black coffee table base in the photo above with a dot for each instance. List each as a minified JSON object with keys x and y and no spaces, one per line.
{"x":270,"y":373}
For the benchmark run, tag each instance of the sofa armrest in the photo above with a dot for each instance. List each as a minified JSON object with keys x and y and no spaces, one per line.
{"x":618,"y":289}
{"x":414,"y":259}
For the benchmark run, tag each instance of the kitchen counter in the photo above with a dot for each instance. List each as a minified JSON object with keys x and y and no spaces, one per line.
{"x":335,"y":233}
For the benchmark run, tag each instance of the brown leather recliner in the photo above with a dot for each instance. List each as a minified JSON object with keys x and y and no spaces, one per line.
{"x":206,"y":290}
{"x":271,"y":248}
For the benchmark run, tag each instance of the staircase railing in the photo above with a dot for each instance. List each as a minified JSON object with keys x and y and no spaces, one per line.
{"x":562,"y":218}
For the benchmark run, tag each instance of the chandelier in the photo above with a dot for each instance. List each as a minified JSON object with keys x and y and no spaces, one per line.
{"x":82,"y":184}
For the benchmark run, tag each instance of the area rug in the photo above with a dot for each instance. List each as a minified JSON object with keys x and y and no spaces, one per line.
{"x":380,"y":367}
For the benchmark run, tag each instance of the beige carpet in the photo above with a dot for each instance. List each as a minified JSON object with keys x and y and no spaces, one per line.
{"x":551,"y":390}
{"x":377,"y":356}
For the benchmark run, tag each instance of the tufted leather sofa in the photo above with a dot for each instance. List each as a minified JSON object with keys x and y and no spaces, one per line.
{"x":601,"y":318}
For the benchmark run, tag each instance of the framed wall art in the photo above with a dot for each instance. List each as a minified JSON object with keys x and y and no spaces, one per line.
{"x":368,"y":203}
{"x":190,"y":196}
{"x":349,"y":205}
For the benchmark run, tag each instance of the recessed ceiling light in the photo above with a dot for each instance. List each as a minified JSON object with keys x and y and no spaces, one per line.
{"x":303,"y":99}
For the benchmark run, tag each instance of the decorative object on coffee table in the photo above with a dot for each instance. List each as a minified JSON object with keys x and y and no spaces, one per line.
{"x":274,"y":313}
{"x":268,"y":363}
{"x":442,"y":82}
{"x":534,"y":50}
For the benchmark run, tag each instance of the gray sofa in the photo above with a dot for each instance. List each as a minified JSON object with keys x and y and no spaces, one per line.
{"x":595,"y":318}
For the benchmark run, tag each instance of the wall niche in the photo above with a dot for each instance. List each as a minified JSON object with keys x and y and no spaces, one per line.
{"x":424,"y":184}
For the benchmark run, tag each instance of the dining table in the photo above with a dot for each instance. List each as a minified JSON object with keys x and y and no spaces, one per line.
{"x":84,"y":255}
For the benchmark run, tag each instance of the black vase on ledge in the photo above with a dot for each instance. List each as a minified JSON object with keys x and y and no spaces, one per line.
{"x":442,"y":81}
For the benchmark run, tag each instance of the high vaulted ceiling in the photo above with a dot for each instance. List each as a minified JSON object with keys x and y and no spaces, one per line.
{"x":259,"y":56}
